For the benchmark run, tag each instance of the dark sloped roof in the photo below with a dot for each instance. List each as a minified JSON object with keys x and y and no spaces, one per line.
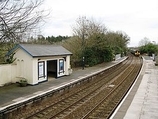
{"x":36,"y":50}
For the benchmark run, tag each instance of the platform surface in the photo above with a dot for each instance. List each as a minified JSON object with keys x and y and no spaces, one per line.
{"x":142,"y":101}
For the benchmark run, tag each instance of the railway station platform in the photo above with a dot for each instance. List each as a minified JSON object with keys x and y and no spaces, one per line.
{"x":13,"y":94}
{"x":142,"y":100}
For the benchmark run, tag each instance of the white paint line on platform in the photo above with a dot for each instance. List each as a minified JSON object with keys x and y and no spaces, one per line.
{"x":18,"y":99}
{"x":38,"y":92}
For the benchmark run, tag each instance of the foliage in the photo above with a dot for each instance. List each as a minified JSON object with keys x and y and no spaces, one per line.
{"x":97,"y":44}
{"x":117,"y":50}
{"x":4,"y":48}
{"x":94,"y":55}
{"x":144,"y":41}
{"x":23,"y":82}
{"x":73,"y":44}
{"x":149,"y":49}
{"x":118,"y":41}
{"x":54,"y":39}
{"x":47,"y":40}
{"x":85,"y":28}
{"x":10,"y":59}
{"x":90,"y":56}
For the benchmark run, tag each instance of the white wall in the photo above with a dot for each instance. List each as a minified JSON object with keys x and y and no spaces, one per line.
{"x":24,"y":65}
{"x":7,"y":73}
{"x":67,"y":65}
{"x":34,"y":67}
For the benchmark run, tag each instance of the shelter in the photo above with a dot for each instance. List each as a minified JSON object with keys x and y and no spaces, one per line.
{"x":37,"y":62}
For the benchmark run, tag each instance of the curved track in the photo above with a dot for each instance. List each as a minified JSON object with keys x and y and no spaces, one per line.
{"x":106,"y":106}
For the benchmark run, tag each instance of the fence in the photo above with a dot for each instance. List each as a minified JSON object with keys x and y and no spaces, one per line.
{"x":7,"y":74}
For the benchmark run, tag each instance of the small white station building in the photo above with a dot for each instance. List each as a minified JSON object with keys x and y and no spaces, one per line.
{"x":37,"y":62}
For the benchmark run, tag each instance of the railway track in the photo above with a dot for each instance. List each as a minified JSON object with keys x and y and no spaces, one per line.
{"x":87,"y":100}
{"x":106,"y":106}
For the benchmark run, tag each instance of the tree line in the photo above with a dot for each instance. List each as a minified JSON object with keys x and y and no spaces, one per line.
{"x":148,"y":47}
{"x":46,"y":40}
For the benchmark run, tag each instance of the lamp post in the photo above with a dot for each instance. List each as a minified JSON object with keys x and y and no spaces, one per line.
{"x":83,"y":58}
{"x":83,"y":62}
{"x":84,"y":23}
{"x":153,"y":55}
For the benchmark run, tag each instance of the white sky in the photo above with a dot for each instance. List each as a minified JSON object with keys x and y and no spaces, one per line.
{"x":137,"y":18}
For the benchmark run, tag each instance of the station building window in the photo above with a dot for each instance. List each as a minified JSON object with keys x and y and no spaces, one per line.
{"x":41,"y":69}
{"x":61,"y":66}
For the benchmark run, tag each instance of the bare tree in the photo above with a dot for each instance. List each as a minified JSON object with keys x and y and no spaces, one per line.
{"x":89,"y":32}
{"x":18,"y":17}
{"x":144,"y":41}
{"x":87,"y":28}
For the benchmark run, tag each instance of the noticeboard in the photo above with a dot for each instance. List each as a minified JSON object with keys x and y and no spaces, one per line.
{"x":61,"y":66}
{"x":41,"y":69}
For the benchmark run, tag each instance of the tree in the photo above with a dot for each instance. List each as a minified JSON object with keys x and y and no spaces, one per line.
{"x":98,"y":45}
{"x":17,"y":18}
{"x":85,"y":29}
{"x":54,"y":39}
{"x":144,"y":41}
{"x":73,"y":44}
{"x":149,"y":48}
{"x":90,"y":33}
{"x":80,"y":29}
{"x":117,"y":41}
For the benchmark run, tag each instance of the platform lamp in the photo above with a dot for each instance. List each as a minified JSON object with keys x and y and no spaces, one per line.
{"x":83,"y":58}
{"x":153,"y":55}
{"x":84,"y":34}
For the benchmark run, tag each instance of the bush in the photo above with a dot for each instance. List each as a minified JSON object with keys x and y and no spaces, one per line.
{"x":94,"y":55}
{"x":23,"y":82}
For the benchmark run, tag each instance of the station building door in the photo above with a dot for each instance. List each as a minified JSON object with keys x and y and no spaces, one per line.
{"x":51,"y":69}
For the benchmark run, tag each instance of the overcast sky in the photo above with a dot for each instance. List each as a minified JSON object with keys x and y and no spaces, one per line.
{"x":137,"y":18}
